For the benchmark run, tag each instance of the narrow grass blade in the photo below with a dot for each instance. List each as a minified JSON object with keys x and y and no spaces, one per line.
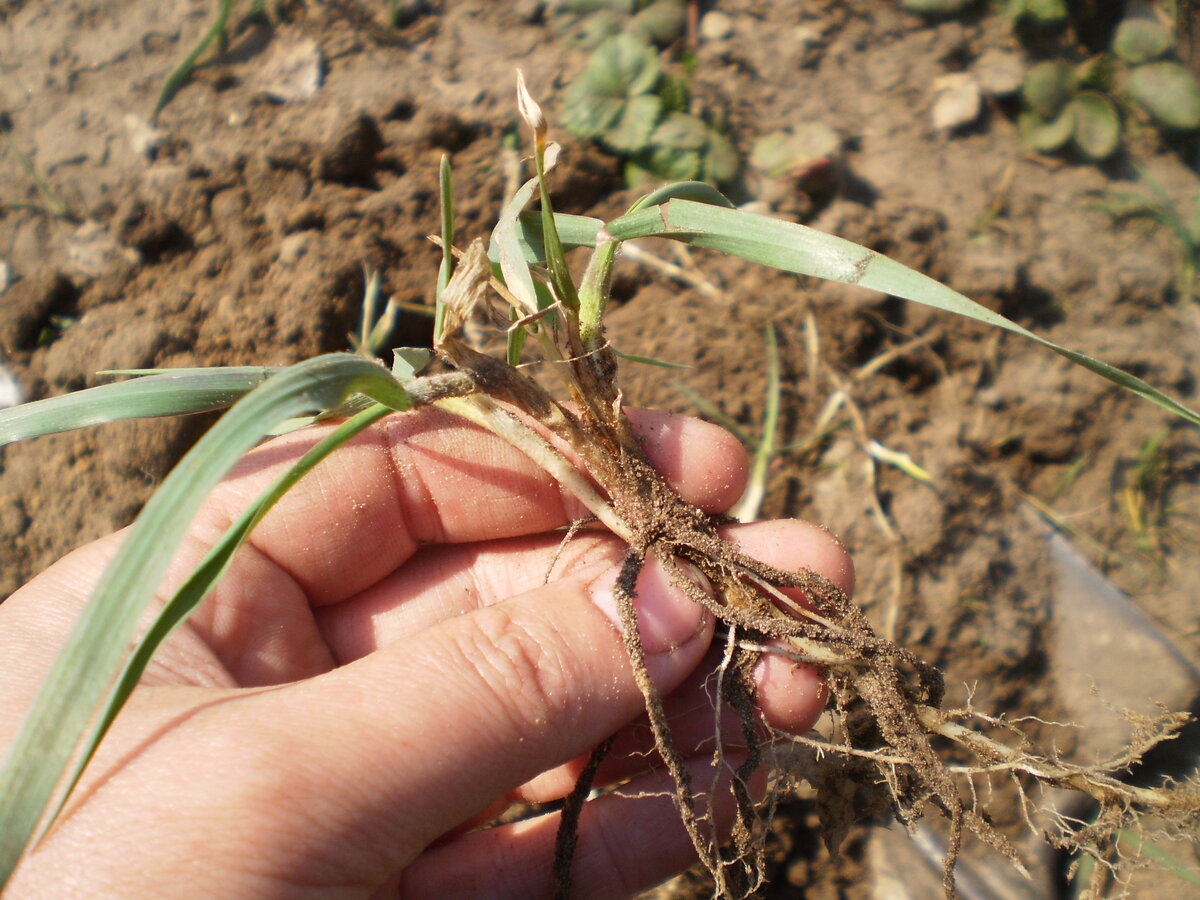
{"x":715,"y":413}
{"x":806,"y":251}
{"x":699,"y":191}
{"x":92,"y":657}
{"x":446,"y":268}
{"x":1157,"y":855}
{"x":168,"y":393}
{"x":899,"y":460}
{"x":203,"y":580}
{"x":749,"y":506}
{"x":376,"y":327}
{"x":54,"y":203}
{"x":176,"y":79}
{"x":797,"y":248}
{"x":573,"y":231}
{"x":651,"y":361}
{"x":556,"y":259}
{"x":514,"y":262}
{"x":595,"y":288}
{"x":408,"y":361}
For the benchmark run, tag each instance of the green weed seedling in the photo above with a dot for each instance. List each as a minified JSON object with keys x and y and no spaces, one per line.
{"x":54,"y":204}
{"x":1167,"y":91}
{"x":1068,"y":106}
{"x":914,"y":757}
{"x":1141,"y":494}
{"x":1039,"y":13}
{"x":1157,"y":207}
{"x":633,"y":104}
{"x":590,"y":22}
{"x":1086,"y":107}
{"x":218,"y":31}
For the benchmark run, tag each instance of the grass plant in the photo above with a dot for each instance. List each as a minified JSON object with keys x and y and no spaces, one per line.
{"x":1155,"y":206}
{"x":764,"y":447}
{"x":218,"y":31}
{"x":638,"y":105}
{"x":891,"y":731}
{"x":54,"y":204}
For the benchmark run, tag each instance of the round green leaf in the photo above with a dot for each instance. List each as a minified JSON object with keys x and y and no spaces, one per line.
{"x":1169,"y":92}
{"x":1043,"y":136}
{"x":721,"y":160}
{"x":1048,"y":87}
{"x":788,"y":153}
{"x":681,"y":131}
{"x":1141,"y":40}
{"x":635,"y":125}
{"x":1097,"y":126}
{"x":586,"y":113}
{"x":1043,"y":12}
{"x":624,"y":66}
{"x":611,"y":99}
{"x":661,"y":22}
{"x":670,"y":164}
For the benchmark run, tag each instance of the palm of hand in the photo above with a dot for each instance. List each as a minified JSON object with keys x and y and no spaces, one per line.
{"x":387,"y":664}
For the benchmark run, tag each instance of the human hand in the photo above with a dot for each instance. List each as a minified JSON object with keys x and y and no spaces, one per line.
{"x":386,"y":666}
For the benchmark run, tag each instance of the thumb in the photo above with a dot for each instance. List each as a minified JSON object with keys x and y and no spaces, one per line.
{"x":408,"y":742}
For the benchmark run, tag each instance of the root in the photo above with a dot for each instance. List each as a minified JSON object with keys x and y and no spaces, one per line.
{"x":568,"y":828}
{"x":748,"y":835}
{"x":685,"y":801}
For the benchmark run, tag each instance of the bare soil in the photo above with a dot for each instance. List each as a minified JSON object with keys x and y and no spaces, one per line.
{"x":236,"y":231}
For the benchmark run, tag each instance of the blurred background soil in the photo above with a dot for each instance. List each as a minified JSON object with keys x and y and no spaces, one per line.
{"x":236,"y":229}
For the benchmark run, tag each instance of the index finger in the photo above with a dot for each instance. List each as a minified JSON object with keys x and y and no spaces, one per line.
{"x":431,"y":477}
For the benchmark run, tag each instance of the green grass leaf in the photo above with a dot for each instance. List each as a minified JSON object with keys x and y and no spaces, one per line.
{"x":84,"y":671}
{"x":446,"y":269}
{"x":512,"y":256}
{"x":166,"y":392}
{"x":806,"y":251}
{"x":651,"y":361}
{"x":205,"y":577}
{"x":698,"y":191}
{"x":749,"y":506}
{"x":216,"y":32}
{"x":803,"y":250}
{"x":573,"y":231}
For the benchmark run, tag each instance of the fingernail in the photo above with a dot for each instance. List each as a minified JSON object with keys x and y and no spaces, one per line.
{"x":667,"y":619}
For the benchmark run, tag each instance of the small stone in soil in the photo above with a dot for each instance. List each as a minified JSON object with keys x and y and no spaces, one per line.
{"x":957,"y":101}
{"x":293,"y":71}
